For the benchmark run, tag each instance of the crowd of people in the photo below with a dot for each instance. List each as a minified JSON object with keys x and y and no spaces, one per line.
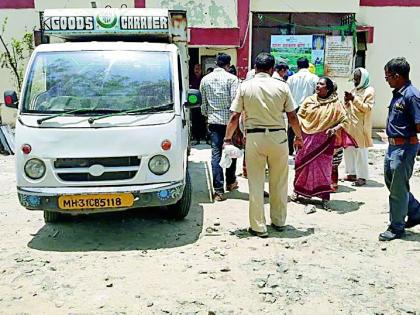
{"x":321,"y":128}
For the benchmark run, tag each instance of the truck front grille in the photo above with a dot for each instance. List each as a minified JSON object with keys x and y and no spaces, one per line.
{"x":114,"y":168}
{"x":106,"y":162}
{"x":86,"y":177}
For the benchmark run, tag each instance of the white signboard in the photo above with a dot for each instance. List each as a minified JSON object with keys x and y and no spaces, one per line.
{"x":339,"y":56}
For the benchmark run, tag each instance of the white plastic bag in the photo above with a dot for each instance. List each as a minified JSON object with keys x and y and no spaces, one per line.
{"x":229,"y":152}
{"x":232,"y":151}
{"x":225,"y":161}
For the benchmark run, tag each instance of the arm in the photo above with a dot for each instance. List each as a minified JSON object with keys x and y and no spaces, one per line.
{"x":234,"y":89}
{"x":204,"y":104}
{"x":236,"y":109}
{"x":294,"y":122}
{"x":332,"y":131}
{"x":366,"y":104}
{"x":343,"y":119}
{"x":415,"y":111}
{"x":231,"y":127}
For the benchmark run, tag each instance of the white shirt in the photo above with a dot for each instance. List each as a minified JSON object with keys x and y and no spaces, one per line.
{"x":302,"y":84}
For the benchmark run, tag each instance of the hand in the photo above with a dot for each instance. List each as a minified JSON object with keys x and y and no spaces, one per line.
{"x":331,"y":132}
{"x":298,"y":144}
{"x":348,"y":96}
{"x":226,"y":142}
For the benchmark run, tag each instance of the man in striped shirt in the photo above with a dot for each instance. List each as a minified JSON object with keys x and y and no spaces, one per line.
{"x":218,"y":90}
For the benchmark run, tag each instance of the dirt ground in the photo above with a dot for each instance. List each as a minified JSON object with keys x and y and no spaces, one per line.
{"x":140,"y":263}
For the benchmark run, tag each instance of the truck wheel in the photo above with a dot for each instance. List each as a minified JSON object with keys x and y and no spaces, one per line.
{"x":180,"y":210}
{"x":52,"y":217}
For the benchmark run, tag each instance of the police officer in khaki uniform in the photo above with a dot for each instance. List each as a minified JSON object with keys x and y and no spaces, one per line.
{"x":263,"y":101}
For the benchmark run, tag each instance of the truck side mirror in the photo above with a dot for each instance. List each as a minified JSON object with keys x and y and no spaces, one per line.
{"x":194,"y":99}
{"x":11,"y":99}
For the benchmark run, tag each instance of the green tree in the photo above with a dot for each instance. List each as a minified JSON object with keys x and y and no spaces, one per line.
{"x":15,"y":54}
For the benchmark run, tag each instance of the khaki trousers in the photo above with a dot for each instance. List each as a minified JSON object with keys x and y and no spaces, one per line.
{"x":269,"y":148}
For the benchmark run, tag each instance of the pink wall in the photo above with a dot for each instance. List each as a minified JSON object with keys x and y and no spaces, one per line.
{"x":16,"y":4}
{"x":388,"y":3}
{"x":244,"y":30}
{"x":140,"y":3}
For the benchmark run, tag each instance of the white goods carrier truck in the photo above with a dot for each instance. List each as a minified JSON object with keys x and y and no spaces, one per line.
{"x":103,"y":116}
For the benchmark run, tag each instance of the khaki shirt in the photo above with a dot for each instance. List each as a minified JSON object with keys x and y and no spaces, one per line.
{"x":263,"y":100}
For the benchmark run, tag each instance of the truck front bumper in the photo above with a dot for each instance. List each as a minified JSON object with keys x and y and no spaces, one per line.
{"x":151,"y":195}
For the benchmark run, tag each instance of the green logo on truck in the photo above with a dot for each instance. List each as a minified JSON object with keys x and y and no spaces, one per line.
{"x":107,"y":20}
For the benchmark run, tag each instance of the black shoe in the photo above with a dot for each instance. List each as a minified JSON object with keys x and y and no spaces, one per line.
{"x":390,"y":235}
{"x":278,"y":228}
{"x":259,"y":234}
{"x":412,"y":223}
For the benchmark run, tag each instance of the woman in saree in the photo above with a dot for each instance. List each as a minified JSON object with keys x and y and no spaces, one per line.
{"x":322,"y":117}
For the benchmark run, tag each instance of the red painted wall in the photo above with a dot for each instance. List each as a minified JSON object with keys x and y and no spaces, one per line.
{"x":139,"y":3}
{"x":17,"y":4}
{"x":244,"y":30}
{"x":214,"y":36}
{"x":389,"y":3}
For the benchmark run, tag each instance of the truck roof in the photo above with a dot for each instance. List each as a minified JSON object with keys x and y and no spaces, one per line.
{"x":120,"y":45}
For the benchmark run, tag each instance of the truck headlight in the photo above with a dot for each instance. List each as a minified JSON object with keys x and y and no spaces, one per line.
{"x":35,"y":168}
{"x":159,"y":164}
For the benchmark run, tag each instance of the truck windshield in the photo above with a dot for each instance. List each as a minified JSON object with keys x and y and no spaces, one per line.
{"x":98,"y":81}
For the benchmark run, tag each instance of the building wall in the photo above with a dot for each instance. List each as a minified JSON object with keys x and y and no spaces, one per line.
{"x":14,"y":28}
{"x":302,"y":6}
{"x":396,"y":33}
{"x":206,"y":14}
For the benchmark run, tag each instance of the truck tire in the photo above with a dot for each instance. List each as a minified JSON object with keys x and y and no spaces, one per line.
{"x":180,"y":210}
{"x":52,"y":217}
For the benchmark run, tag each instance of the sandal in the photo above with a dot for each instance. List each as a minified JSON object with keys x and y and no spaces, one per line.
{"x":326,"y":205}
{"x":359,"y":182}
{"x":294,"y":197}
{"x":350,"y":178}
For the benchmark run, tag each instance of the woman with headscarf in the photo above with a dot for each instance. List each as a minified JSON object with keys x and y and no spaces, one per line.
{"x":359,"y":103}
{"x":322,"y":117}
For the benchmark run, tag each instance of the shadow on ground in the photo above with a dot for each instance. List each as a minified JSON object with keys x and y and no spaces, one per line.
{"x":139,"y":229}
{"x":338,"y":206}
{"x":290,"y":232}
{"x":411,"y":236}
{"x":236,"y":194}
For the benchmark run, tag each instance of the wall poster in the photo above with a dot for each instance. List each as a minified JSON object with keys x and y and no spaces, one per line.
{"x":289,"y":48}
{"x":339,"y":56}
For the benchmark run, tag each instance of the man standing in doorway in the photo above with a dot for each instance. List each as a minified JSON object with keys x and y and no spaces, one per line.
{"x":198,"y":121}
{"x":218,"y":89}
{"x":263,"y":101}
{"x":302,"y":84}
{"x":402,"y":127}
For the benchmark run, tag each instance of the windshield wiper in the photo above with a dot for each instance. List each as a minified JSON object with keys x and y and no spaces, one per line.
{"x":41,"y":120}
{"x":153,"y":109}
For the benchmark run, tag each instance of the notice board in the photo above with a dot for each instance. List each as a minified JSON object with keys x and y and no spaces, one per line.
{"x":339,"y":56}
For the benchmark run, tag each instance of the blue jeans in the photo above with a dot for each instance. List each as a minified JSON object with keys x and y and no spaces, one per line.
{"x":398,"y":168}
{"x":217,"y":134}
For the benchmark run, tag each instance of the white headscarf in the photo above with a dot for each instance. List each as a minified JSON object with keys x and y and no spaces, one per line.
{"x":364,"y":79}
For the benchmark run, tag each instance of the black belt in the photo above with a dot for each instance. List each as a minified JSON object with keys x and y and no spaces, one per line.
{"x":254,"y":130}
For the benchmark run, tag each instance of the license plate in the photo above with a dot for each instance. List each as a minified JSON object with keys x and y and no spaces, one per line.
{"x":95,"y":201}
